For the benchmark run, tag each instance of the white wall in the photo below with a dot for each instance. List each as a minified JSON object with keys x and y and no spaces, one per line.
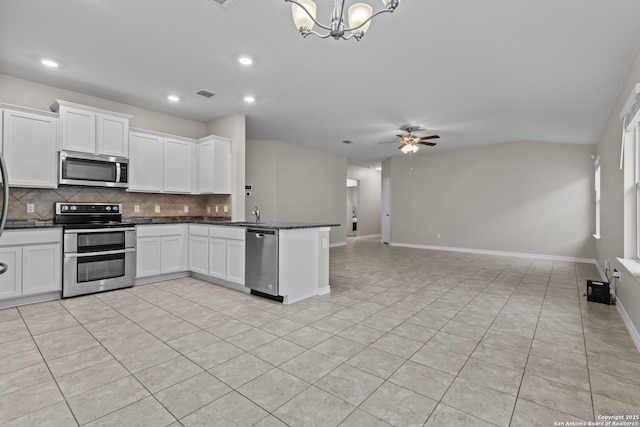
{"x":369,"y":199}
{"x":292,"y":183}
{"x":612,"y":231}
{"x":525,"y":197}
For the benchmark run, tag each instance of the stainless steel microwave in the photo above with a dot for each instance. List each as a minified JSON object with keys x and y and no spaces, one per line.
{"x":96,"y":171}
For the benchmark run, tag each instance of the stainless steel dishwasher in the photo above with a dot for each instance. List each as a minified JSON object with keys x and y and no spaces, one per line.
{"x":261,"y":262}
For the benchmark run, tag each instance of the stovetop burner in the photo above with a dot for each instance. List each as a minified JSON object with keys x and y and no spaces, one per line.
{"x":89,"y":215}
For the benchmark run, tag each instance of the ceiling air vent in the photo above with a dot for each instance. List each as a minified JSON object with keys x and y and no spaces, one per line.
{"x":346,"y":141}
{"x":225,"y":4}
{"x":206,"y":93}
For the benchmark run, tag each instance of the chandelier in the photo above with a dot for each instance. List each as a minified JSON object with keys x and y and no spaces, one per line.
{"x":359,"y":14}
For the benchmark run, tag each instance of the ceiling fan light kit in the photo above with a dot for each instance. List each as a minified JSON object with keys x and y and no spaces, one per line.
{"x":359,"y":16}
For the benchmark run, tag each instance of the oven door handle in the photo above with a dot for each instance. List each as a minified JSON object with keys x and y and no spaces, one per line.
{"x":88,"y":254}
{"x":99,"y":230}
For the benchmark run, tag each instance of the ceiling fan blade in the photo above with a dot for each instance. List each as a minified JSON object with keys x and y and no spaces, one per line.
{"x":402,"y":146}
{"x":401,"y":136}
{"x":429,"y":137}
{"x":426,"y":143}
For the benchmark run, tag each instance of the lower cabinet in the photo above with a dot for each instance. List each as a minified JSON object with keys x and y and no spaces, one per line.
{"x":217,"y":252}
{"x":34,"y":262}
{"x":161,"y":249}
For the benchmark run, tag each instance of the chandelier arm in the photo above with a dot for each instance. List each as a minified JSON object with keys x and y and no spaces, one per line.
{"x":315,"y":33}
{"x":309,"y":13}
{"x":369,"y":19}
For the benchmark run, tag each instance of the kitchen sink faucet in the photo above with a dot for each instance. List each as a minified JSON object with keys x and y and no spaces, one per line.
{"x":256,"y":212}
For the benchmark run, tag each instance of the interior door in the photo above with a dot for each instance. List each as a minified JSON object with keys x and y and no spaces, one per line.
{"x":386,"y":211}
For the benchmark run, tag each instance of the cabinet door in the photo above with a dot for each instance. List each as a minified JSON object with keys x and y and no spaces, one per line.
{"x":112,"y":135}
{"x":145,"y":162}
{"x":77,"y":130}
{"x":222,"y":167}
{"x":206,"y":164}
{"x":217,"y":257}
{"x":11,"y":280}
{"x":177,"y":166}
{"x":199,"y":254}
{"x":235,"y":261}
{"x":148,"y":256}
{"x":30,"y":143}
{"x":171,"y":254}
{"x":41,"y":269}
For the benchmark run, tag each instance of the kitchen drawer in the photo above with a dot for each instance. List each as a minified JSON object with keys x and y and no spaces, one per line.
{"x":159,"y":230}
{"x":199,"y":230}
{"x":225,"y":232}
{"x":29,"y":237}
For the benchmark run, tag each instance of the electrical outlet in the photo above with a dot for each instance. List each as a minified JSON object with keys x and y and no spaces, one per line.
{"x":225,"y":208}
{"x":136,"y":209}
{"x":216,"y":208}
{"x":208,"y":209}
{"x":31,"y":208}
{"x":157,"y":209}
{"x":607,"y":264}
{"x":186,"y":208}
{"x":616,"y":274}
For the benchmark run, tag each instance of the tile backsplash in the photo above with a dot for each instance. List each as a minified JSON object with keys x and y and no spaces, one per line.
{"x":171,"y":205}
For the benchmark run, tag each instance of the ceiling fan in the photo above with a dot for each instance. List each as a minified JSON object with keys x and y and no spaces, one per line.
{"x":410,"y":142}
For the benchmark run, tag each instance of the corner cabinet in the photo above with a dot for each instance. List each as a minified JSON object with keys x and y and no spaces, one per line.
{"x":29,"y":143}
{"x":92,"y":130}
{"x":34,"y":260}
{"x":214,"y":165}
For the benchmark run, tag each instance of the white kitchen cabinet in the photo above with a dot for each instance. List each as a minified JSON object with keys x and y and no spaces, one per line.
{"x":160,"y":249}
{"x":145,"y":162}
{"x":214,"y":165}
{"x":147,"y":256}
{"x":177,"y":159}
{"x":11,"y":280}
{"x":199,"y":254}
{"x":34,"y":260}
{"x":217,"y":258}
{"x":29,"y":139}
{"x":92,"y":130}
{"x":41,"y":264}
{"x":235,"y":261}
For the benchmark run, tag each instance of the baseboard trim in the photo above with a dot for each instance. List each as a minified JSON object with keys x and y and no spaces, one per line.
{"x":498,"y":253}
{"x":369,"y":236}
{"x":635,"y":336}
{"x":324,"y":290}
{"x":335,"y":245}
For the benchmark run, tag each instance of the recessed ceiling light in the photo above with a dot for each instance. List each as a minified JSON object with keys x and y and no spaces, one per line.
{"x":245,"y":60}
{"x":173,"y":98}
{"x":49,"y":63}
{"x":249,"y":99}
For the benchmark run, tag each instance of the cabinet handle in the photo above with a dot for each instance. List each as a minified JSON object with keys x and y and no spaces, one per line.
{"x":3,"y":268}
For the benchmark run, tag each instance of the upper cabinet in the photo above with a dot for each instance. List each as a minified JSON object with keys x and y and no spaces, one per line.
{"x":145,"y":162}
{"x":214,"y":165}
{"x":29,"y":142}
{"x":177,"y":161}
{"x":92,"y":130}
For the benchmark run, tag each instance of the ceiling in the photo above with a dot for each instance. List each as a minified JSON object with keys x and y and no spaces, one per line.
{"x":475,"y":72}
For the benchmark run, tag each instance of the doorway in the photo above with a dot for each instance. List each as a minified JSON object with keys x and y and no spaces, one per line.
{"x":386,"y":210}
{"x":353,"y":198}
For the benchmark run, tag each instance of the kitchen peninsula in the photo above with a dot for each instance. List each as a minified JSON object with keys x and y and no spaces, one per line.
{"x":216,"y":251}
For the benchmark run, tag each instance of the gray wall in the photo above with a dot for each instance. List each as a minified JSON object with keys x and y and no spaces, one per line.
{"x":35,"y":95}
{"x":527,"y":197}
{"x":292,"y":183}
{"x":369,"y":199}
{"x":612,"y":244}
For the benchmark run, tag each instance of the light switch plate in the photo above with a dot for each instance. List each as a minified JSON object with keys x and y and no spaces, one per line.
{"x":226,"y":208}
{"x":136,"y":208}
{"x":186,"y":208}
{"x":31,"y":208}
{"x":157,"y":209}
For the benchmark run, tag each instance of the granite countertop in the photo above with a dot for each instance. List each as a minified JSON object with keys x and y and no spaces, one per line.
{"x":271,"y":225}
{"x":23,"y":224}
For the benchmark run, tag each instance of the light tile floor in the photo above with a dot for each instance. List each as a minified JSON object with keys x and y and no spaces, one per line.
{"x":406,"y":338}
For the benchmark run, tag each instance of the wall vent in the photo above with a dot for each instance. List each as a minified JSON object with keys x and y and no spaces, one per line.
{"x":225,"y":4}
{"x":206,"y":93}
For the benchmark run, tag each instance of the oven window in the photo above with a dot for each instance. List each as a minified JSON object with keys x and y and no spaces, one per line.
{"x":88,"y":170}
{"x":107,"y":241}
{"x":100,"y":267}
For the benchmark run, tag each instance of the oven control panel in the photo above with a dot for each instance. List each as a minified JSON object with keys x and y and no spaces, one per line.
{"x":88,"y":208}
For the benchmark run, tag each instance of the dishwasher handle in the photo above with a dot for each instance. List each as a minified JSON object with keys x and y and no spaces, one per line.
{"x":260,"y":233}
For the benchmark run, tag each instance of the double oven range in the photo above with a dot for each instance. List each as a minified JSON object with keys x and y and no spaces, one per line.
{"x":99,"y":249}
